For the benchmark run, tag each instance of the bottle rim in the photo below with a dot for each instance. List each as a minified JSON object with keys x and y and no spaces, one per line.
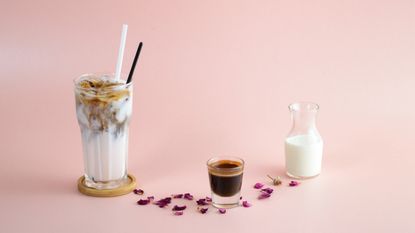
{"x":303,"y":106}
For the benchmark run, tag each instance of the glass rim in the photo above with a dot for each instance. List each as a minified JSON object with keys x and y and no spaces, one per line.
{"x":100,"y":75}
{"x":232,"y":158}
{"x":303,"y":105}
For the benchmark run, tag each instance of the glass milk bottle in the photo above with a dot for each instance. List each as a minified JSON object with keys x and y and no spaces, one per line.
{"x":303,"y":145}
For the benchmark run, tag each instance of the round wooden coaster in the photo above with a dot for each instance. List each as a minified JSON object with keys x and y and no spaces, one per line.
{"x":127,"y":188}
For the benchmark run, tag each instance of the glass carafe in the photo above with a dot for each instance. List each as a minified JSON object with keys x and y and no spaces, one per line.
{"x":303,"y":145}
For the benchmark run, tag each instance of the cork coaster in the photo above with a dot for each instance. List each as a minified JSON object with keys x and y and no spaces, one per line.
{"x":127,"y":188}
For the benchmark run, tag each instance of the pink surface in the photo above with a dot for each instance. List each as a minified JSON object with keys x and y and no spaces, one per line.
{"x":215,"y":78}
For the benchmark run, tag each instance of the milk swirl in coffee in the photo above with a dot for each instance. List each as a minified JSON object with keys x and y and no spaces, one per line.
{"x":103,"y":107}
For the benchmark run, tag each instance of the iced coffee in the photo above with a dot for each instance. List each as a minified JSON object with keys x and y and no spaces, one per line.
{"x":103,"y":107}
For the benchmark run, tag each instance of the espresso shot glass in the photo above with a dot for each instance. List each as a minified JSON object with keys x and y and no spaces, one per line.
{"x":225,"y":177}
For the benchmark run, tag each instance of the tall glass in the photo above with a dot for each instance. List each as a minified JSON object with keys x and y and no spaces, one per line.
{"x":103,"y":108}
{"x":303,"y":145}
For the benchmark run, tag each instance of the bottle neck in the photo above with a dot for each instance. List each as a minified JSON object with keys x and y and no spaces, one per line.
{"x":303,"y":115}
{"x":304,"y":122}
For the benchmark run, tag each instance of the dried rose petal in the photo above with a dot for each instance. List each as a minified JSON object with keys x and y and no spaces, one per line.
{"x":267,"y":190}
{"x":202,"y":210}
{"x":222,"y":211}
{"x":179,"y":208}
{"x":150,"y":198}
{"x":202,"y":202}
{"x":258,"y":185}
{"x":160,"y":204}
{"x":138,"y":191}
{"x":294,"y":183}
{"x":163,"y":202}
{"x":264,"y":195}
{"x":240,"y":198}
{"x":188,"y":196}
{"x":178,"y":213}
{"x":246,"y":204}
{"x":177,"y":195}
{"x":143,"y":201}
{"x":208,"y":199}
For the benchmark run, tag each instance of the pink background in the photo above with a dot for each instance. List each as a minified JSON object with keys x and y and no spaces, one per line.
{"x":214,"y":78}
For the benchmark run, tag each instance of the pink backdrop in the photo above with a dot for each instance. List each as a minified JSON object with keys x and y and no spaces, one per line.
{"x":214,"y":78}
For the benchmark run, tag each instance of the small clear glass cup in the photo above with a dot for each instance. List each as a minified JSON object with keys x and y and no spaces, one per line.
{"x":225,"y":177}
{"x":104,"y":115}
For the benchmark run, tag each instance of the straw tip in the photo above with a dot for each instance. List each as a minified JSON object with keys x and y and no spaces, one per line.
{"x":125,"y":25}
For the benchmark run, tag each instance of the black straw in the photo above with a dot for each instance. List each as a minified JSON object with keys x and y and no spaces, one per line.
{"x":137,"y":54}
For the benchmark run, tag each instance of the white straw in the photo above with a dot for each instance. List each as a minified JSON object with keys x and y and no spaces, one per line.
{"x":121,"y":52}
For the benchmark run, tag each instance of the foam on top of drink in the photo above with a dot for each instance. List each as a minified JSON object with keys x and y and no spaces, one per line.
{"x":97,"y":82}
{"x":103,"y":103}
{"x":225,"y":168}
{"x":104,"y":87}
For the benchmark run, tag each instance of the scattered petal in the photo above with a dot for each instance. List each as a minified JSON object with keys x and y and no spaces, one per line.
{"x":150,"y":198}
{"x":258,"y":185}
{"x":179,"y":208}
{"x":143,"y":201}
{"x":240,"y":198}
{"x":138,"y":191}
{"x":294,"y":183}
{"x":267,"y":190}
{"x":208,"y":199}
{"x":202,"y":202}
{"x":178,"y":213}
{"x":163,"y":202}
{"x":188,"y":196}
{"x":222,"y":211}
{"x":264,"y":195}
{"x":177,"y":195}
{"x":202,"y":210}
{"x":246,"y":204}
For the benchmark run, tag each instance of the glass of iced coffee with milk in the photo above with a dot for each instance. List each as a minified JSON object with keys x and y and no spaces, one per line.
{"x":103,"y":108}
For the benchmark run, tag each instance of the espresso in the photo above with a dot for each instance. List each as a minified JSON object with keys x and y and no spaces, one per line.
{"x":225,"y":177}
